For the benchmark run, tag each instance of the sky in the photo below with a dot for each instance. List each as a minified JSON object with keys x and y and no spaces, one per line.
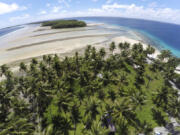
{"x":13,"y":12}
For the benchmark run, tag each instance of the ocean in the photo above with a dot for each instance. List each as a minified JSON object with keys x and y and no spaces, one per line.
{"x":5,"y":31}
{"x":158,"y":34}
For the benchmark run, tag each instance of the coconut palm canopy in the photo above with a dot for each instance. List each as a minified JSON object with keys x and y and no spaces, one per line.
{"x":91,"y":93}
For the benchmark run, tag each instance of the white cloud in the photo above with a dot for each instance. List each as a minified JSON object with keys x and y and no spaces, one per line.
{"x":8,"y":8}
{"x":117,"y":6}
{"x":64,"y":11}
{"x":19,"y":18}
{"x":117,"y":10}
{"x":23,"y":8}
{"x":61,"y":5}
{"x":153,"y":5}
{"x":48,"y":5}
{"x":94,"y":10}
{"x":56,"y":9}
{"x":109,"y":1}
{"x":43,"y":12}
{"x":5,"y":8}
{"x":64,"y":2}
{"x":134,"y":11}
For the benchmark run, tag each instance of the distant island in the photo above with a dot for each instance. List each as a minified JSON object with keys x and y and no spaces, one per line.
{"x":120,"y":90}
{"x":59,"y":24}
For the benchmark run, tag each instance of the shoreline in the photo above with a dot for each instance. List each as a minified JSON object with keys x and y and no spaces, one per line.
{"x":50,"y":41}
{"x":62,"y":46}
{"x":44,"y":41}
{"x":11,"y":32}
{"x":13,"y":35}
{"x":14,"y":64}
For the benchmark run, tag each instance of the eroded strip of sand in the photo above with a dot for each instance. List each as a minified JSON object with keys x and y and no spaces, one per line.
{"x":55,"y":40}
{"x":52,"y":33}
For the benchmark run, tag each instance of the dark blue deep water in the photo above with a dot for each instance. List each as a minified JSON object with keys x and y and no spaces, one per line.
{"x":161,"y":35}
{"x":5,"y":31}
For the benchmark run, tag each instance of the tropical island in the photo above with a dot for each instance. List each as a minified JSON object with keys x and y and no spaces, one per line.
{"x":59,"y":24}
{"x":120,"y":90}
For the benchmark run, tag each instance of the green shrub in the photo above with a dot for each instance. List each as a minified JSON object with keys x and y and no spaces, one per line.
{"x":64,"y":24}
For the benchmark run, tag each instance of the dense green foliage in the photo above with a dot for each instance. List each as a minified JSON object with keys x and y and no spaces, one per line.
{"x":77,"y":94}
{"x":58,"y":24}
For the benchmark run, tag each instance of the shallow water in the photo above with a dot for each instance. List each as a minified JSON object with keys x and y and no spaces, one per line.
{"x":160,"y":35}
{"x":9,"y":30}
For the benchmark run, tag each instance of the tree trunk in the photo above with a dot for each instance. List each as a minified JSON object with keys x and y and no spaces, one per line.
{"x":74,"y":127}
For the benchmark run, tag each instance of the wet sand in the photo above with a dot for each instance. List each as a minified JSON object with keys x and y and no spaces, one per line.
{"x":36,"y":41}
{"x":56,"y":40}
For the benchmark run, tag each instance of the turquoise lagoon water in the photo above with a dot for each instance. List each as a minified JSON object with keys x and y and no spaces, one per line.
{"x":5,"y":31}
{"x":158,"y":34}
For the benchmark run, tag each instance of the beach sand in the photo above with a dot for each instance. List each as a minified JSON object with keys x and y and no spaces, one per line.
{"x":132,"y":41}
{"x":36,"y":41}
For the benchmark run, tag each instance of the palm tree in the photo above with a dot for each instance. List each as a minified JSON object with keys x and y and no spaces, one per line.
{"x":20,"y":107}
{"x":124,"y":46}
{"x":44,"y":71}
{"x":18,"y":126}
{"x":48,"y":130}
{"x":112,"y":47}
{"x":173,"y":107}
{"x":121,"y":46}
{"x":92,"y":107}
{"x":123,"y":78}
{"x":87,"y":52}
{"x":146,"y":128}
{"x":49,"y":59}
{"x":106,"y":78}
{"x":161,"y":97}
{"x":150,"y":50}
{"x":124,"y":112}
{"x":125,"y":54}
{"x":158,"y":116}
{"x":122,"y":128}
{"x":97,"y":129}
{"x":5,"y":100}
{"x":149,"y":79}
{"x":23,"y":67}
{"x":4,"y":69}
{"x":102,"y":52}
{"x":61,"y":124}
{"x":138,"y":98}
{"x":93,"y":53}
{"x":164,"y":54}
{"x":101,"y":94}
{"x":137,"y":48}
{"x":34,"y":61}
{"x":77,"y":61}
{"x":112,"y":94}
{"x":63,"y":100}
{"x":10,"y":84}
{"x":45,"y":58}
{"x":80,"y":95}
{"x":76,"y":116}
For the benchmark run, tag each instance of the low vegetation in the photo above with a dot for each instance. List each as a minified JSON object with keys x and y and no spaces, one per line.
{"x":93,"y":94}
{"x":59,"y":24}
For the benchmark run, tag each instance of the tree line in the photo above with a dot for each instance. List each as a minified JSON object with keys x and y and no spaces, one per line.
{"x":96,"y":93}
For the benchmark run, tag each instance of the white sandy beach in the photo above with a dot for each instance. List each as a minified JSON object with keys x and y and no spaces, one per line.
{"x":34,"y":41}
